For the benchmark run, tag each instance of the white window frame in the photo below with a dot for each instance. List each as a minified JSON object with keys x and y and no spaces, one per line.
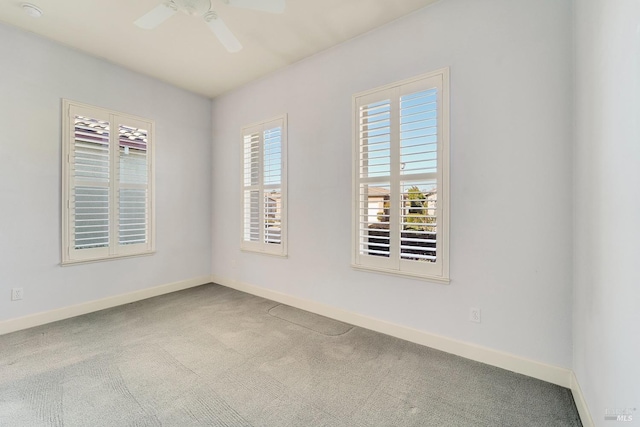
{"x":261,"y":246}
{"x":394,"y":264}
{"x":71,"y":255}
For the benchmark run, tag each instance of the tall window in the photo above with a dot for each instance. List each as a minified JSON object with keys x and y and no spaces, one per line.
{"x":264,"y":188}
{"x":107,"y":192}
{"x":401,"y":177}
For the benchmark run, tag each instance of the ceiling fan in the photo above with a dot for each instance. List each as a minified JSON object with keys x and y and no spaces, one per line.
{"x":202,"y":9}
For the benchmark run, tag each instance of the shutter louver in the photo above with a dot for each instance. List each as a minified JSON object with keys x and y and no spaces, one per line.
{"x":89,"y":207}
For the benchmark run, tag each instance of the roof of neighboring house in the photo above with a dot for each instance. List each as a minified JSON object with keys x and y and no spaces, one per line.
{"x":378,"y":191}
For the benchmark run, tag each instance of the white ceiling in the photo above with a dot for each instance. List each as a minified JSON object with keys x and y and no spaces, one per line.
{"x":183,"y":50}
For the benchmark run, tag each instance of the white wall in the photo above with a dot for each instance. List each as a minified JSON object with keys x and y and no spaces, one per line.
{"x":511,"y":171}
{"x":34,"y":75}
{"x":607,"y":233}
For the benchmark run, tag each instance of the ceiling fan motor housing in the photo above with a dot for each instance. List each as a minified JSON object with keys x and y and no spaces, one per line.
{"x":193,"y":7}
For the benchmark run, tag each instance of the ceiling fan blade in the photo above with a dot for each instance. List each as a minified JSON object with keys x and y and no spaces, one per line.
{"x":271,"y":6}
{"x":155,"y":16}
{"x":226,"y":37}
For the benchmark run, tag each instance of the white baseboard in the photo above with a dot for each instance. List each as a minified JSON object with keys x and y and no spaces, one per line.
{"x":511,"y":362}
{"x":38,"y":319}
{"x":581,"y":402}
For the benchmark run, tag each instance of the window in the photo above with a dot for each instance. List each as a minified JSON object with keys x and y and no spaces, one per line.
{"x":107,"y":191}
{"x":264,"y":187}
{"x":401,"y":178}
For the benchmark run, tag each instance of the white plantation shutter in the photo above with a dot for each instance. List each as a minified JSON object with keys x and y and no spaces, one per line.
{"x":264,"y":187}
{"x":401,"y":177}
{"x":107,"y":177}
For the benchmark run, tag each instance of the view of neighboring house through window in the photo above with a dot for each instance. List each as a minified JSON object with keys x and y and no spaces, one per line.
{"x":401,"y":153}
{"x":264,"y":192}
{"x":107,"y":184}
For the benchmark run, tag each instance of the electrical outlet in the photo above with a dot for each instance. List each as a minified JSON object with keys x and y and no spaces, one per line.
{"x":17,"y":294}
{"x":474,"y":314}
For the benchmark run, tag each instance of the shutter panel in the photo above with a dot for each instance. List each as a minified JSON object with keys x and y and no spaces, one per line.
{"x":418,"y":221}
{"x":375,"y":206}
{"x":272,"y":179}
{"x":132,"y":216}
{"x":251,"y":227}
{"x":419,"y":133}
{"x":90,"y":212}
{"x":273,"y":156}
{"x":133,"y":197}
{"x":418,"y":159}
{"x":375,"y":140}
{"x":251,"y":159}
{"x":252,"y":216}
{"x":91,"y":150}
{"x":273,"y":216}
{"x":90,"y":169}
{"x":374,"y":192}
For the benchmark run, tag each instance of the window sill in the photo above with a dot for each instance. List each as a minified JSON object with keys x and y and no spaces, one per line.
{"x":110,"y":258}
{"x":397,"y":273}
{"x":259,"y":252}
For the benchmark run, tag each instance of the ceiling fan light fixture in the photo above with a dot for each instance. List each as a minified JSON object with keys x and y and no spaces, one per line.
{"x":32,"y":10}
{"x":210,"y":16}
{"x":193,"y":7}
